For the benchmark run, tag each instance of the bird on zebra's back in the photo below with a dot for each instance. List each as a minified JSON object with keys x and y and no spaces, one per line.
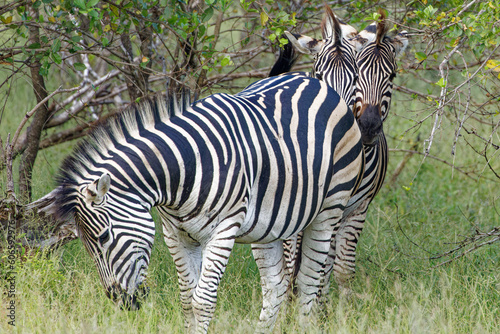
{"x":282,"y":156}
{"x":371,"y":88}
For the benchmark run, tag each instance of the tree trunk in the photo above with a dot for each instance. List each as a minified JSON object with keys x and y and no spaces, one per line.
{"x":39,"y":119}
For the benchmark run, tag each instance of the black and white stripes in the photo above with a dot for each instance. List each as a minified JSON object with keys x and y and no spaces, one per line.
{"x":375,"y":65}
{"x":280,"y":157}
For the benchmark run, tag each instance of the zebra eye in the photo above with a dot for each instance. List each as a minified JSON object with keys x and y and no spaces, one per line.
{"x":319,"y":76}
{"x":104,"y":237}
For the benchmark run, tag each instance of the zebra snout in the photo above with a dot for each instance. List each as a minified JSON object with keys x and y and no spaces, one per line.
{"x":134,"y":302}
{"x":370,"y":124}
{"x":113,"y":292}
{"x":128,"y":302}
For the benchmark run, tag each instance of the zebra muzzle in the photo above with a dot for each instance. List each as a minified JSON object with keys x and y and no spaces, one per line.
{"x":370,"y":124}
{"x":128,"y":302}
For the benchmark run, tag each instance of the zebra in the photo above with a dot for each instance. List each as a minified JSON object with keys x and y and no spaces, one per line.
{"x":376,"y":67}
{"x":282,"y":156}
{"x":335,"y":63}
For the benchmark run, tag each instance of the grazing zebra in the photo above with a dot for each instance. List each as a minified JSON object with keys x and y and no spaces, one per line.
{"x":376,"y":65}
{"x":282,"y":156}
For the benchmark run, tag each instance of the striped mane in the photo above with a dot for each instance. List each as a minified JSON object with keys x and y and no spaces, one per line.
{"x":77,"y":169}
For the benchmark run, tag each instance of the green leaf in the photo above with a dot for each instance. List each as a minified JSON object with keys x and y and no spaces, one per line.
{"x":225,"y":61}
{"x":79,"y":66}
{"x":80,"y":4}
{"x":441,"y":83}
{"x":263,"y":18}
{"x":420,"y":56}
{"x":430,"y":11}
{"x":92,"y":3}
{"x":56,"y":46}
{"x":93,"y":13}
{"x":201,"y":30}
{"x":34,"y":46}
{"x":207,"y":14}
{"x":57,"y":58}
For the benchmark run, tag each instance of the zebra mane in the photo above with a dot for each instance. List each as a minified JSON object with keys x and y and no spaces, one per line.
{"x":77,"y":168}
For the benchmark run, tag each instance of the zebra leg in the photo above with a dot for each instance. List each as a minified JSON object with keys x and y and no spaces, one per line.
{"x":291,"y":247}
{"x":314,"y":253}
{"x":344,"y":244}
{"x":186,"y":254}
{"x":327,"y":272}
{"x":216,"y":253}
{"x":274,"y":282}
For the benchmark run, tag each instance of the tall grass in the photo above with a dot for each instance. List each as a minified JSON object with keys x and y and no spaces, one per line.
{"x":396,"y":288}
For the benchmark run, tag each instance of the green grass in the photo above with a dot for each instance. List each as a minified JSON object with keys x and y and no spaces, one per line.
{"x":397,"y":290}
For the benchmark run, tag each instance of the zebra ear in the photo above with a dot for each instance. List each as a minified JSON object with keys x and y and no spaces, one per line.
{"x":365,"y":37}
{"x":400,"y":42}
{"x":332,"y":25}
{"x":305,"y":44}
{"x":97,"y":189}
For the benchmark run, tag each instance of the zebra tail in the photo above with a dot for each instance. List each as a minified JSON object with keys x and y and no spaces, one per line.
{"x":285,"y":61}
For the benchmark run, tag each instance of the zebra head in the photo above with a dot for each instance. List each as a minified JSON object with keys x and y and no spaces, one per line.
{"x":335,"y":54}
{"x":116,"y":229}
{"x":118,"y":233}
{"x":376,"y":64}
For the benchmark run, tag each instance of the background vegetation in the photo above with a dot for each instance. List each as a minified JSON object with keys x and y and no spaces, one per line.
{"x":421,"y":268}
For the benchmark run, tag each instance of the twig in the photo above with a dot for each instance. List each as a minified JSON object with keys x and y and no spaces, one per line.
{"x":442,"y":97}
{"x":32,"y":112}
{"x":435,"y":158}
{"x":464,"y":243}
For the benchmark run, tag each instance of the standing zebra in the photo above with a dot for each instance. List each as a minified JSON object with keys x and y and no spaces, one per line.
{"x":280,"y":157}
{"x":335,"y":64}
{"x":376,"y":66}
